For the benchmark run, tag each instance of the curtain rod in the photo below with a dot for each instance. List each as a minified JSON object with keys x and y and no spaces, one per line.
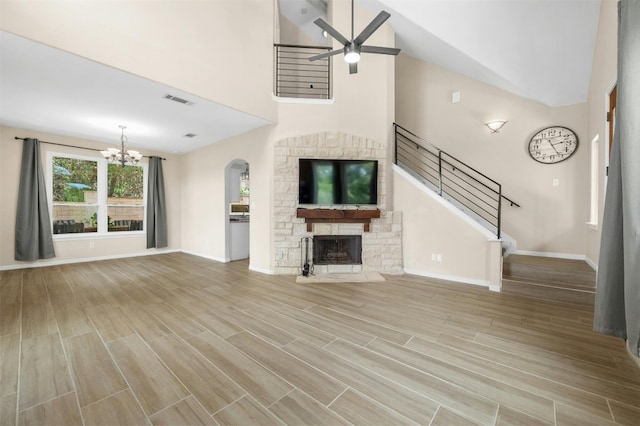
{"x":72,"y":146}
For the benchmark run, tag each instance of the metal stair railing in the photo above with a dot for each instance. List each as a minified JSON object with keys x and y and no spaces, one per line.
{"x":462,"y":185}
{"x":297,"y":77}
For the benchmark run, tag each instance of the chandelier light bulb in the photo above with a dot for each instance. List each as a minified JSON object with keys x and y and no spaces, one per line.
{"x":121,"y":155}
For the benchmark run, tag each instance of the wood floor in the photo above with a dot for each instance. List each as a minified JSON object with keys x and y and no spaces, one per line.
{"x":177,"y":339}
{"x":563,"y":280}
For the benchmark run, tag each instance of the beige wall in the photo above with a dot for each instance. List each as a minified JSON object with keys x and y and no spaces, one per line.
{"x":74,"y":249}
{"x":364,"y":106}
{"x":603,"y":77}
{"x":429,"y":227}
{"x":134,"y":36}
{"x":551,"y":219}
{"x":203,"y":197}
{"x":217,"y":50}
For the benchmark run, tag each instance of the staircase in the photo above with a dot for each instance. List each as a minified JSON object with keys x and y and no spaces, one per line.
{"x":464,"y":187}
{"x":481,"y":198}
{"x":561,"y":280}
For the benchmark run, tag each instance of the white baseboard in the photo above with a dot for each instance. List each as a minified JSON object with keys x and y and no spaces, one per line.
{"x":54,"y":262}
{"x":217,"y":259}
{"x":463,"y":280}
{"x":261,"y":270}
{"x":551,"y":254}
{"x":591,"y":263}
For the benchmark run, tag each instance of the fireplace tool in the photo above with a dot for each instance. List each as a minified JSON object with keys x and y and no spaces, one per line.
{"x":307,"y":268}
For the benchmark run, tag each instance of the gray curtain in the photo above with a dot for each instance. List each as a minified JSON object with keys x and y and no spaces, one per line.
{"x":156,"y":207}
{"x":617,"y":308}
{"x":34,"y":239}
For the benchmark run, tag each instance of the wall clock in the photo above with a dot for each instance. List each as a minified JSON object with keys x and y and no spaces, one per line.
{"x":553,"y":145}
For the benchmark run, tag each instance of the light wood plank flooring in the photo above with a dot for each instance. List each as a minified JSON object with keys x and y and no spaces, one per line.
{"x":562,"y":280}
{"x":177,"y":339}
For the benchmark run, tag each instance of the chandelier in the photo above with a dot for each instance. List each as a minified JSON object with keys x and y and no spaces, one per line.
{"x":122,"y":155}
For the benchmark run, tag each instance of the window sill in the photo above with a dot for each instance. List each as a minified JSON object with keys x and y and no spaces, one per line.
{"x":97,"y":236}
{"x":592,"y":225}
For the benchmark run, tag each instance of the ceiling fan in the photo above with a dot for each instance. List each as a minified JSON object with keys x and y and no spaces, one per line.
{"x":354,"y":47}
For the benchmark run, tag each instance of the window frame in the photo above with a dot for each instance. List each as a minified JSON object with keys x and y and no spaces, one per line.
{"x":102,"y":205}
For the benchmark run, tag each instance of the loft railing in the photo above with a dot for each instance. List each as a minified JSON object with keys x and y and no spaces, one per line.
{"x":461,"y":184}
{"x":298,"y":77}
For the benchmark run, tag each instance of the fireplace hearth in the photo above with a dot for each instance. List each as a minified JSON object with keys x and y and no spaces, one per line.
{"x":337,"y":250}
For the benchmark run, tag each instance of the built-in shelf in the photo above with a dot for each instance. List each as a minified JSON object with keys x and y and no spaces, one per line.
{"x":312,"y":216}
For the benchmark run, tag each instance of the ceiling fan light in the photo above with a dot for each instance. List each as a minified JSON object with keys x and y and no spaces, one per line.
{"x":352,"y":57}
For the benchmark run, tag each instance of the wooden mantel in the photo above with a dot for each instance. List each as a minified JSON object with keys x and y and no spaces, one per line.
{"x":312,"y":216}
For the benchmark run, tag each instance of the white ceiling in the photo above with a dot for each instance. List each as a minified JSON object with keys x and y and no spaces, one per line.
{"x":52,"y":91}
{"x":539,"y":49}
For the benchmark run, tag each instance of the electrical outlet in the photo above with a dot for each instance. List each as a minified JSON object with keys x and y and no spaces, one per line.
{"x":556,"y":182}
{"x":91,"y":244}
{"x":438,"y":258}
{"x":433,"y":256}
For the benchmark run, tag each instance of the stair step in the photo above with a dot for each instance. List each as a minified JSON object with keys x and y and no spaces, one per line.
{"x":548,"y":292}
{"x":562,"y":280}
{"x":549,"y":262}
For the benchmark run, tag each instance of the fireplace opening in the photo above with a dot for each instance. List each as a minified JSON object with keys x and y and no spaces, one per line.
{"x":337,"y":250}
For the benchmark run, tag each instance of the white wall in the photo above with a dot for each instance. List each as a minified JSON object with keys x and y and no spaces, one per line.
{"x":218,"y":50}
{"x":76,"y":249}
{"x":603,"y":77}
{"x":551,"y":219}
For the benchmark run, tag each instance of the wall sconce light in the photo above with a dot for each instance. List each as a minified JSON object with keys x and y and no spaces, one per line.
{"x":495,"y":125}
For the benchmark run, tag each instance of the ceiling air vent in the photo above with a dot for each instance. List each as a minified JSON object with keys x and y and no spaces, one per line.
{"x":190,"y":135}
{"x":177,"y":99}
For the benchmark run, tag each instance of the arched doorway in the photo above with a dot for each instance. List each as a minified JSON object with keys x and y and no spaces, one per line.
{"x":237,"y":215}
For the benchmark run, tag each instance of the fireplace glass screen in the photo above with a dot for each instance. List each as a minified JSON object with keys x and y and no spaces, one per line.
{"x":337,"y":250}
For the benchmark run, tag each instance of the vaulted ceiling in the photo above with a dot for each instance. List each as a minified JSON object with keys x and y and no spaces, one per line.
{"x":539,"y":49}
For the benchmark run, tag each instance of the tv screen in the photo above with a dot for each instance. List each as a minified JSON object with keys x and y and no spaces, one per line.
{"x":338,"y":181}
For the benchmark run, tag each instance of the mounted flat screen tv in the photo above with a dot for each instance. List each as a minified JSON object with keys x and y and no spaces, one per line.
{"x":338,"y":182}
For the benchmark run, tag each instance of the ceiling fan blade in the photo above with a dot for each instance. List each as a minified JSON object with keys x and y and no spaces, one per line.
{"x":326,"y":54}
{"x":353,"y":68}
{"x":331,"y":31}
{"x":381,"y":50}
{"x":371,"y":28}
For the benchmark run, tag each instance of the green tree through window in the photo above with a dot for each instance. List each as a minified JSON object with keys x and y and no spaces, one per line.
{"x":79,"y":201}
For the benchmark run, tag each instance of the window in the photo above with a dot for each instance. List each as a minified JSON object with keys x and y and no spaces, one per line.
{"x":593,"y":210}
{"x":125,"y":197}
{"x":90,"y":196}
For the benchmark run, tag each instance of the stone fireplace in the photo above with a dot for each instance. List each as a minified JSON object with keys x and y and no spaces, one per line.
{"x":378,"y":229}
{"x":337,"y":250}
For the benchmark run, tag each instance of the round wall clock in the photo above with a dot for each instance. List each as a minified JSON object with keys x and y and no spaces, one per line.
{"x":553,"y":145}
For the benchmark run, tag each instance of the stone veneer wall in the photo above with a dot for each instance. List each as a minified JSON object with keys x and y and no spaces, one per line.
{"x":381,"y":246}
